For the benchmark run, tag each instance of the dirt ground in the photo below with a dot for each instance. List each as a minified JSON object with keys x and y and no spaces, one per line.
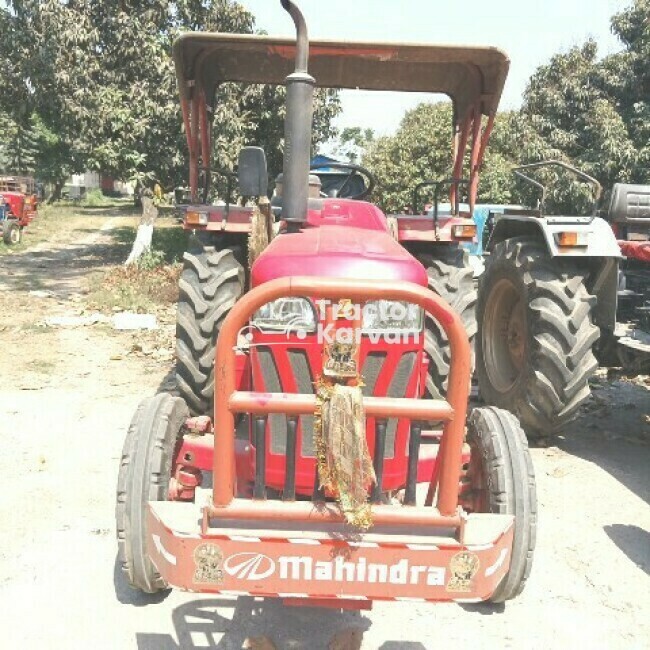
{"x":66,"y":400}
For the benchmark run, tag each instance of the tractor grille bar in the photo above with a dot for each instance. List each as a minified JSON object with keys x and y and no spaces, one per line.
{"x":305,"y":384}
{"x":397,"y":388}
{"x":414,"y":452}
{"x":378,"y":459}
{"x":259,"y":491}
{"x":289,"y":493}
{"x":277,"y":421}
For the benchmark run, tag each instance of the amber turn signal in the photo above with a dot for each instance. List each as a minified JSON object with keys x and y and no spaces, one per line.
{"x":464,"y":231}
{"x":571,"y":239}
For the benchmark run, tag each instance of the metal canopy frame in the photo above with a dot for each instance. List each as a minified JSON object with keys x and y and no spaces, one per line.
{"x":473,"y":77}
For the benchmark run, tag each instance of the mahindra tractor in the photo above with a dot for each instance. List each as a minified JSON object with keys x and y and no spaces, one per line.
{"x":547,"y":306}
{"x":18,"y":206}
{"x":303,"y":459}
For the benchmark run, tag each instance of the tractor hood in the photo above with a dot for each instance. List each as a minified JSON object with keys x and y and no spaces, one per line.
{"x":337,"y":252}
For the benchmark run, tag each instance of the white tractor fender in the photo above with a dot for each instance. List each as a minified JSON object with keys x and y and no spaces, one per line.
{"x":600,"y":252}
{"x":594,"y":233}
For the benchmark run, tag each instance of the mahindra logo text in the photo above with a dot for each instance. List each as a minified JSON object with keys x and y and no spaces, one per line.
{"x":255,"y":566}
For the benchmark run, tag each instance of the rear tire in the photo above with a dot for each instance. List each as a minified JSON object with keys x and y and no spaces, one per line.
{"x":536,"y":336}
{"x":452,"y":278}
{"x":505,"y":485}
{"x":145,"y":471}
{"x":11,"y":233}
{"x":211,"y":282}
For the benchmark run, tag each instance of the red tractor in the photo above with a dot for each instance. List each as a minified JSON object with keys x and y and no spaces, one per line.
{"x":302,"y":370}
{"x":18,"y":206}
{"x":629,"y":215}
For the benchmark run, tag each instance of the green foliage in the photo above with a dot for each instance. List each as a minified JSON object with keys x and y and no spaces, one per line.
{"x":100,"y":78}
{"x":94,"y":199}
{"x":353,"y":141}
{"x":91,"y":85}
{"x":592,"y":113}
{"x":626,"y":77}
{"x":19,"y":145}
{"x":421,"y":150}
{"x":254,"y":115}
{"x":567,"y":116}
{"x":151,"y":259}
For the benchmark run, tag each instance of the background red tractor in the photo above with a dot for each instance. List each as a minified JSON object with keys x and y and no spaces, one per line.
{"x":18,"y":206}
{"x":629,"y":214}
{"x":301,"y":352}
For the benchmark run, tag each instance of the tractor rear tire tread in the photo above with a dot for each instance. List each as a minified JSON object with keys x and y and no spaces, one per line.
{"x":561,"y":336}
{"x":211,"y":282}
{"x":500,"y":439}
{"x":145,"y":469}
{"x":452,"y":278}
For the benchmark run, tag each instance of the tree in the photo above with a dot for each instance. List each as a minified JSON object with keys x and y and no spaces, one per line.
{"x":421,"y":150}
{"x":51,"y":58}
{"x":99,"y":75}
{"x":567,"y":115}
{"x":19,"y":145}
{"x":254,"y":115}
{"x":625,"y":76}
{"x":353,"y":141}
{"x":593,"y":113}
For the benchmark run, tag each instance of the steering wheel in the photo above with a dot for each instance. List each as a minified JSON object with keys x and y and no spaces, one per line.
{"x":354,"y":170}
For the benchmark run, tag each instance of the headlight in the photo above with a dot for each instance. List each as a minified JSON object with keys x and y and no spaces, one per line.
{"x":286,"y":315}
{"x":391,"y":316}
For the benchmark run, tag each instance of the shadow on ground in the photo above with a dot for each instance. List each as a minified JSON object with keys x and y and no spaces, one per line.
{"x":633,"y":541}
{"x":59,"y":269}
{"x":225,"y":624}
{"x":614,"y":433}
{"x":62,"y":268}
{"x":200,"y":624}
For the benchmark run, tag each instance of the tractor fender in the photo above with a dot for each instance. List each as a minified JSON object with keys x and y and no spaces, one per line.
{"x":601,"y":255}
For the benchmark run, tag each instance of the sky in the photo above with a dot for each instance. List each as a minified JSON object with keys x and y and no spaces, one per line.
{"x":529,"y":31}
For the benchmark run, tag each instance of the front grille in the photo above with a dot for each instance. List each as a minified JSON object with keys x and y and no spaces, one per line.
{"x":305,"y":385}
{"x":303,"y":375}
{"x":277,"y":422}
{"x":397,"y":388}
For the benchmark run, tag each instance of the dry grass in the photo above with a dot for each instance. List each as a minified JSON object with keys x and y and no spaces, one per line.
{"x":135,"y":289}
{"x":63,"y":224}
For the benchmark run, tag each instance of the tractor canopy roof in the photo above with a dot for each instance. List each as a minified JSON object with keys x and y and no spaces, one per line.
{"x":470,"y":76}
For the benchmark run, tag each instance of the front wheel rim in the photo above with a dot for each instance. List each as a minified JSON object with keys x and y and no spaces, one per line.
{"x":503,"y":336}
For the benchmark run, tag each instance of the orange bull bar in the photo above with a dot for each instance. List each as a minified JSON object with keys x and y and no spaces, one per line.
{"x":303,"y":549}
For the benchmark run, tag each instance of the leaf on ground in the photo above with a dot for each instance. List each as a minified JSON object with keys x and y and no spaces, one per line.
{"x":258,"y":643}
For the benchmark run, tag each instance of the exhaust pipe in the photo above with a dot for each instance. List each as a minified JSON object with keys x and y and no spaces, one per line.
{"x":298,"y":125}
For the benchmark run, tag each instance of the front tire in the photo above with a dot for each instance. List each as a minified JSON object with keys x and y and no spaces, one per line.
{"x":145,"y":471}
{"x":210,"y":284}
{"x":452,"y":278}
{"x":500,"y":479}
{"x":536,"y":336}
{"x":11,"y":233}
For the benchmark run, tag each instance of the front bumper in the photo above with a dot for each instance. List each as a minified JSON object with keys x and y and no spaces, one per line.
{"x":290,"y":562}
